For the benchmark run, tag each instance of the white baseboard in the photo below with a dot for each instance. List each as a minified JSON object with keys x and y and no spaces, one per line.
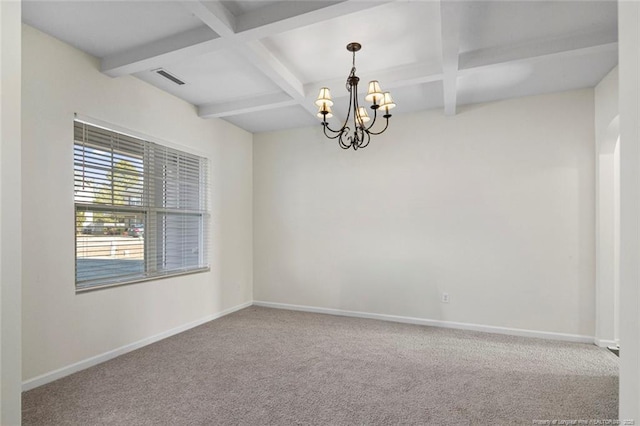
{"x":605,"y":343}
{"x":576,"y":338}
{"x":90,"y":362}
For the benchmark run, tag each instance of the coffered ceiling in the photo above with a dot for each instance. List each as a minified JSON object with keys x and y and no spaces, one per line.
{"x":259,"y":64}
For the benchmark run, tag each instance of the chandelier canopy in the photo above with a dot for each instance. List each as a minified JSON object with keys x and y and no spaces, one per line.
{"x":355,"y":132}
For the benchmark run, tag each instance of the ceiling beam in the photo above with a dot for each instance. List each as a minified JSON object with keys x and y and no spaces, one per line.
{"x":530,"y":52}
{"x":275,"y":19}
{"x":214,"y":15}
{"x":262,"y":58}
{"x":176,"y":48}
{"x":450,"y":30}
{"x":609,"y":47}
{"x":219,"y":20}
{"x":158,"y":53}
{"x":243,"y":106}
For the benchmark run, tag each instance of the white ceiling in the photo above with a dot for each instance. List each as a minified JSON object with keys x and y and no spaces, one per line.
{"x":259,"y":63}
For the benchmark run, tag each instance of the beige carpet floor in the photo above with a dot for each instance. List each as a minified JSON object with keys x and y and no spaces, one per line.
{"x":263,"y":366}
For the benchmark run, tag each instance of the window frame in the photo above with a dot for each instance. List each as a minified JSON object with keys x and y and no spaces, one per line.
{"x":151,"y":268}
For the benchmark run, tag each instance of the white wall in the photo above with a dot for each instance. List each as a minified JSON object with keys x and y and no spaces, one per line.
{"x":616,"y":243}
{"x":607,"y":131}
{"x":629,"y":65}
{"x":10,"y":238}
{"x":493,"y":205}
{"x":606,"y":102}
{"x":60,"y":327}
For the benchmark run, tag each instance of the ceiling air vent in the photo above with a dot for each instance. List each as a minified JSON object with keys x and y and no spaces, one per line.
{"x":169,"y":76}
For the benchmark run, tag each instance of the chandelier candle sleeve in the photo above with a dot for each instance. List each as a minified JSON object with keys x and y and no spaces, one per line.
{"x":324,"y":111}
{"x":355,"y":132}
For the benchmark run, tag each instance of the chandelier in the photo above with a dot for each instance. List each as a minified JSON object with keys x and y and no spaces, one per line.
{"x":355,"y":133}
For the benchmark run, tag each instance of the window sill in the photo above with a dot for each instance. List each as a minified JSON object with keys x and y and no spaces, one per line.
{"x":118,"y":283}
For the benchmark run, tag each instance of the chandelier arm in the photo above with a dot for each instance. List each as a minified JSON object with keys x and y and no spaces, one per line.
{"x":356,"y":122}
{"x":359,"y":128}
{"x":341,"y":142}
{"x":375,"y":115}
{"x":385,"y":126}
{"x":326,"y":126}
{"x":346,"y":120}
{"x":337,"y":134}
{"x":368,"y":139}
{"x":364,"y":136}
{"x":355,"y":142}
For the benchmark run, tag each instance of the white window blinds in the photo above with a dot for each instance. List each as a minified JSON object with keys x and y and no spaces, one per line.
{"x":141,"y":209}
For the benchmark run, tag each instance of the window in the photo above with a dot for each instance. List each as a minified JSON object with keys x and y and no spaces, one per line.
{"x":140,"y":209}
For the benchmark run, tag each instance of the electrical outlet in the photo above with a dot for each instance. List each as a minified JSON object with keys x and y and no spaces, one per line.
{"x":445,"y":297}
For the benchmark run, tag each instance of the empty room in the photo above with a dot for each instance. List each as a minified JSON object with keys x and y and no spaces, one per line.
{"x":349,"y":212}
